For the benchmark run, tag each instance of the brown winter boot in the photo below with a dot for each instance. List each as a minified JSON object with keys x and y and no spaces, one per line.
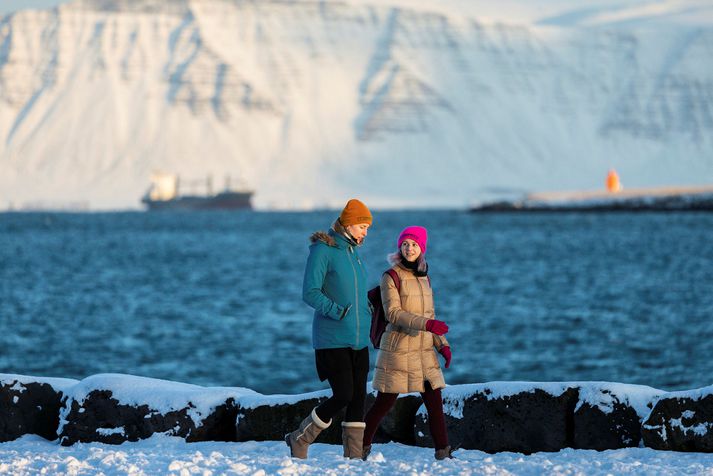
{"x":353,"y":439}
{"x":300,"y":439}
{"x":444,"y":453}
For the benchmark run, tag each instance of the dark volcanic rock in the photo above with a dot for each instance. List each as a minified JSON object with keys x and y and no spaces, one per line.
{"x":681,"y":421}
{"x":527,"y":417}
{"x":270,"y":417}
{"x":219,"y":425}
{"x":96,"y":414}
{"x":28,"y":407}
{"x":609,"y":415}
{"x":104,"y":419}
{"x":595,"y":429}
{"x":484,"y":417}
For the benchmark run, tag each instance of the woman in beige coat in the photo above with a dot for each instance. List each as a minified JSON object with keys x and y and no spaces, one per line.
{"x":407,"y":360}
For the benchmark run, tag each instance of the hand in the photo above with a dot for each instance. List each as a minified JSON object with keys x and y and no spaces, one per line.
{"x":345,"y":312}
{"x":446,"y":353}
{"x":437,"y":327}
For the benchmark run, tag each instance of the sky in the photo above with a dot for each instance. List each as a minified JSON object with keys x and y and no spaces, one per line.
{"x":12,"y":5}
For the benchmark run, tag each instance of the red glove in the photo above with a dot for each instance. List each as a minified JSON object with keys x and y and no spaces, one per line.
{"x":446,"y":353}
{"x":437,"y":327}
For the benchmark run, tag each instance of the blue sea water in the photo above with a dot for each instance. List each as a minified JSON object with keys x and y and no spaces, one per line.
{"x":215,"y":298}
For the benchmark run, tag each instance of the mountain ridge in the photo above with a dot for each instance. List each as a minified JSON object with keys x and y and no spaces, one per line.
{"x":313,"y":102}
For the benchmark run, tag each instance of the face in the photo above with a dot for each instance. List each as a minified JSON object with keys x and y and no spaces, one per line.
{"x":358,"y":231}
{"x":410,"y":250}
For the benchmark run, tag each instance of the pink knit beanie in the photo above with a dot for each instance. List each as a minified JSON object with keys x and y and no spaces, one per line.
{"x":416,"y":233}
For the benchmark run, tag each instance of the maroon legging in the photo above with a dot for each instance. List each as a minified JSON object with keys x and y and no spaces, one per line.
{"x":434,"y":406}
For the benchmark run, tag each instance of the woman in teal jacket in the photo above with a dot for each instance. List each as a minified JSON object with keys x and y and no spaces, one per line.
{"x":335,"y":286}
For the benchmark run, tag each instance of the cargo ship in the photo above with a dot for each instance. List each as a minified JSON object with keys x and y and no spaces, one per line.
{"x":165,"y":194}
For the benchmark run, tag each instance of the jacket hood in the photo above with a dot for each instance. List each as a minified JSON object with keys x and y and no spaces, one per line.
{"x":324,"y":237}
{"x":330,"y":237}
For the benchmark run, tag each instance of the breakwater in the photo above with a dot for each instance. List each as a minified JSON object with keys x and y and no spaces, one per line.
{"x":665,"y":199}
{"x":523,"y":417}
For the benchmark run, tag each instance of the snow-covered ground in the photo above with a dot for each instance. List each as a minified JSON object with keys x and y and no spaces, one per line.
{"x":168,"y":455}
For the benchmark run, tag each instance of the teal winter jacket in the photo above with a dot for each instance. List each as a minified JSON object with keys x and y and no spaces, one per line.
{"x":335,"y":281}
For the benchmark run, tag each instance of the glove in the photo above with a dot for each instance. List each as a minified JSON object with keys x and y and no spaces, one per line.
{"x":446,"y":353}
{"x":437,"y":327}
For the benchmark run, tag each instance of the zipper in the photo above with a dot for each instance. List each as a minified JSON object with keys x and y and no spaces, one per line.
{"x":356,"y":294}
{"x":423,"y":313}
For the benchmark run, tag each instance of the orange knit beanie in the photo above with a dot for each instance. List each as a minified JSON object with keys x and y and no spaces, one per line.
{"x":355,"y":213}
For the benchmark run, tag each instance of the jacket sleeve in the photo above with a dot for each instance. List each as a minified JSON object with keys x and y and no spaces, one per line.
{"x":392,"y":305}
{"x":313,"y":282}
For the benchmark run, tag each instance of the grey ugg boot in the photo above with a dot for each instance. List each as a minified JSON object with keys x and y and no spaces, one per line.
{"x":300,"y":439}
{"x":444,"y":453}
{"x":353,"y":439}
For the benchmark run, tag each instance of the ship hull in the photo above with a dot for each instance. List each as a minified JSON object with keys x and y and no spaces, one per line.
{"x":221,"y":201}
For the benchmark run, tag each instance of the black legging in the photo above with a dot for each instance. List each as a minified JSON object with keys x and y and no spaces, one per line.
{"x":346,"y":370}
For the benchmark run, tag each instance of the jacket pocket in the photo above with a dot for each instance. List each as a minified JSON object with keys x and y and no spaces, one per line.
{"x":392,"y":339}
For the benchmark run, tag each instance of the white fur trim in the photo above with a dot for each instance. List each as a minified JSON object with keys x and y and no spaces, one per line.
{"x":320,"y":424}
{"x":353,"y":424}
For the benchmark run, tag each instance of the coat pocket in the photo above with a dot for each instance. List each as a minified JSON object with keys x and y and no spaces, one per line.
{"x":392,"y":339}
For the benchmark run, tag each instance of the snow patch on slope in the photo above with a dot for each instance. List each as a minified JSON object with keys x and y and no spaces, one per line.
{"x":312,"y":103}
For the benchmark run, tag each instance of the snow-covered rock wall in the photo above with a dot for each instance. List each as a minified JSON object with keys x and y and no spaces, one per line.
{"x":30,"y":405}
{"x":310,"y":103}
{"x":524,"y":417}
{"x":681,"y":421}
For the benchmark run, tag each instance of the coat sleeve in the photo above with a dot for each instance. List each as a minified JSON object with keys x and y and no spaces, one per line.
{"x":392,"y":305}
{"x":313,"y":282}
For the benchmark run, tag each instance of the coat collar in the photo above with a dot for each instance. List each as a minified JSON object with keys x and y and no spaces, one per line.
{"x":335,"y":237}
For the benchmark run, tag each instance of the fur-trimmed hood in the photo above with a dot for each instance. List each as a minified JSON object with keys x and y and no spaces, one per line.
{"x":328,"y":238}
{"x":324,"y":237}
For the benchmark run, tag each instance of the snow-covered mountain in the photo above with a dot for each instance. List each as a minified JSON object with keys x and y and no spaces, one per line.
{"x":399,"y":102}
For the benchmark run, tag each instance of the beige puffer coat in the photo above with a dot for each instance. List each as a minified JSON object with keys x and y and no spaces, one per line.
{"x":407,"y":355}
